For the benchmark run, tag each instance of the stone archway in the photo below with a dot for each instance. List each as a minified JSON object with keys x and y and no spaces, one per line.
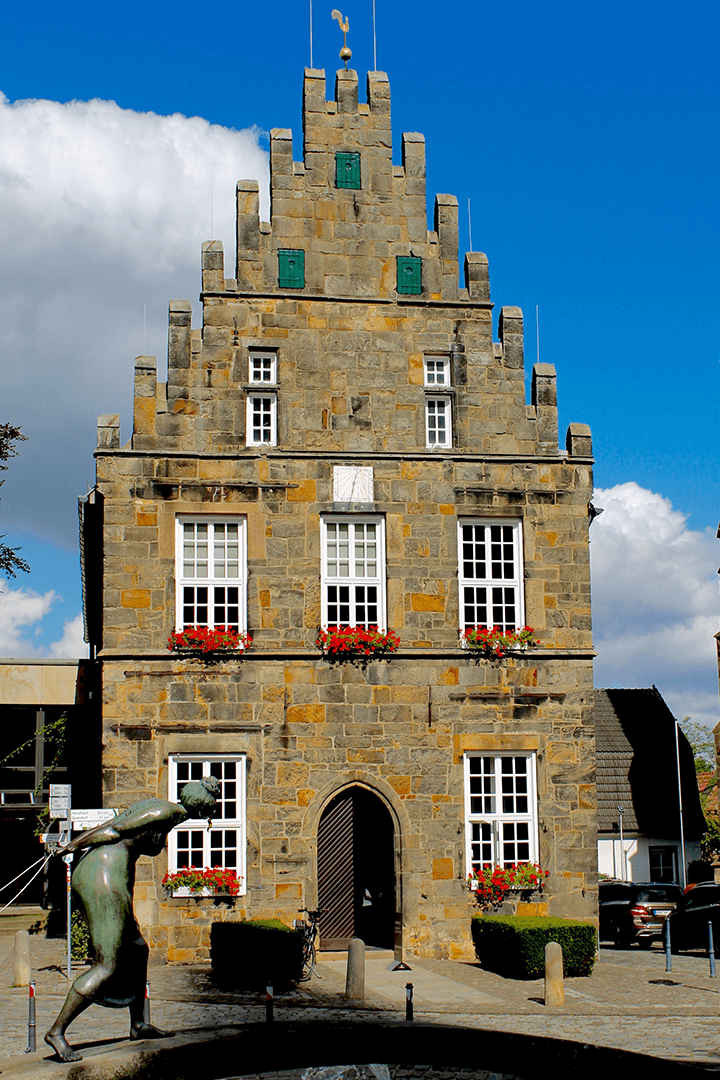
{"x":356,"y":870}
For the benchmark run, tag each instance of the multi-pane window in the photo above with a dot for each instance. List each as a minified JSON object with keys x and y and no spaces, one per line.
{"x":490,"y":569}
{"x":662,"y":863}
{"x":193,"y":844}
{"x":353,"y":572}
{"x":261,"y":421}
{"x":500,"y":809}
{"x":262,"y":367}
{"x":210,"y":572}
{"x":437,"y":371}
{"x":438,"y":422}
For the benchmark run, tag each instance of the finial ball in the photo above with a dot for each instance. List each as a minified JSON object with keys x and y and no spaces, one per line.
{"x":345,"y":53}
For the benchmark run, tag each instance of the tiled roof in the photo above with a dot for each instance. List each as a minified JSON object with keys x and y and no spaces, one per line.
{"x":637,"y":767}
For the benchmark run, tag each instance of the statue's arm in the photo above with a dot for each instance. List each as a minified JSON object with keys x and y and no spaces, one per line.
{"x":158,"y":816}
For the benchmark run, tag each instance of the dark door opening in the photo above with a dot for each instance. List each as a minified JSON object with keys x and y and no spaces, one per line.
{"x":356,"y":871}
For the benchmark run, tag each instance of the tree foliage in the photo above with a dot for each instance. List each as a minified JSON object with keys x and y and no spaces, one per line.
{"x":10,"y":561}
{"x":702,"y":742}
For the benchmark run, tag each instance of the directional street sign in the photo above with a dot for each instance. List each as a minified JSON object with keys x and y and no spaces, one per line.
{"x":88,"y":819}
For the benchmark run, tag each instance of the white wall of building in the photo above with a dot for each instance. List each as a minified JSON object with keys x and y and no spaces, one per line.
{"x":635,"y":864}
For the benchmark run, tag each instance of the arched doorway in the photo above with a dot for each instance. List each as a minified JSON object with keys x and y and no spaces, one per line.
{"x":356,"y":870}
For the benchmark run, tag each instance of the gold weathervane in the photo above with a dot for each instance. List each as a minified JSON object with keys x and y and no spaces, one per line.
{"x":345,"y":53}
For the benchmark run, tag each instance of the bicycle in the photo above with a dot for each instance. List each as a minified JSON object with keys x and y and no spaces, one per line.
{"x":308,"y":929}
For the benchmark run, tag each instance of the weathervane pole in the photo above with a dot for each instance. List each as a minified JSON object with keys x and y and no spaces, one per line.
{"x":374,"y":40}
{"x":311,"y":55}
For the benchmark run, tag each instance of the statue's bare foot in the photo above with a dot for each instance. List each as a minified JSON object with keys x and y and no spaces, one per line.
{"x":147,"y":1031}
{"x":61,"y":1047}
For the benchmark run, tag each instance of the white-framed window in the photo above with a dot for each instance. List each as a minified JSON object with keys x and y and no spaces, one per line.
{"x":500,"y":809}
{"x":262,"y":367}
{"x":261,"y":419}
{"x":353,"y":571}
{"x":437,"y":371}
{"x":438,"y":422}
{"x":490,"y":570}
{"x":192,"y":844}
{"x":210,"y":572}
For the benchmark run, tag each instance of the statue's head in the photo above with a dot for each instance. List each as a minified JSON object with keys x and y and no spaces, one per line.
{"x":199,"y":796}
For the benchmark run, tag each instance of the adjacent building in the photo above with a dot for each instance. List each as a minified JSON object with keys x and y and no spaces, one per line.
{"x":644,"y":774}
{"x":344,"y":441}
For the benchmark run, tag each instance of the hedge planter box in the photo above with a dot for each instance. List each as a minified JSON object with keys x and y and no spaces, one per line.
{"x":246,"y":955}
{"x":514,"y":946}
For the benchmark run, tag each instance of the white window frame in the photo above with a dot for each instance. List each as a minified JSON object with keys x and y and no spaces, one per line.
{"x":204,"y":839}
{"x":268,"y":403}
{"x":488,"y":582}
{"x":212,"y":579}
{"x":489,"y":826}
{"x":353,"y":579}
{"x":436,"y":372}
{"x":262,"y":368}
{"x":433,"y":404}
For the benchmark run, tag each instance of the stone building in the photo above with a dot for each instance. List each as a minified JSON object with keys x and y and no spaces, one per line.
{"x":343,"y":442}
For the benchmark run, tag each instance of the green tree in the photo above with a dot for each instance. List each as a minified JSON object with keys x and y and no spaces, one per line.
{"x":702,"y":742}
{"x":10,"y":561}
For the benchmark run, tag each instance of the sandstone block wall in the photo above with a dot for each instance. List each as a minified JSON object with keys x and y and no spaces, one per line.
{"x":350,"y":391}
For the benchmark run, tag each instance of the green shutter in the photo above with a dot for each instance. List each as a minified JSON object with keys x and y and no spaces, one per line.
{"x":291,"y":269}
{"x":347,"y":170}
{"x":409,"y":274}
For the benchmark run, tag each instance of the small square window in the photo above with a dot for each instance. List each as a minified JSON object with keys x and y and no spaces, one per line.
{"x":261,"y":420}
{"x":347,"y":171}
{"x":438,"y":422}
{"x":262,"y":368}
{"x":409,"y":275}
{"x":437,"y":371}
{"x":291,"y":268}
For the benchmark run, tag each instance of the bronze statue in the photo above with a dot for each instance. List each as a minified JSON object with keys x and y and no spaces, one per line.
{"x":103,"y":881}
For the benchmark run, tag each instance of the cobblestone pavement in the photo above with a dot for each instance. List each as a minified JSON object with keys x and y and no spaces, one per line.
{"x":629,"y":1003}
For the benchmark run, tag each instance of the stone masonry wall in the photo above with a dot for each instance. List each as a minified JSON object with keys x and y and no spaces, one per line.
{"x":349,"y":391}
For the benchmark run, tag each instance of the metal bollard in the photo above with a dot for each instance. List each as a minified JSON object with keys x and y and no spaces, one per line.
{"x":408,"y":1001}
{"x":668,"y":950}
{"x":269,"y":1003}
{"x":711,"y":950}
{"x":146,"y":1004}
{"x":32,"y":1022}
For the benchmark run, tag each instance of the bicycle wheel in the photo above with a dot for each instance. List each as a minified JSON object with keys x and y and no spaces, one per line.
{"x":308,"y":960}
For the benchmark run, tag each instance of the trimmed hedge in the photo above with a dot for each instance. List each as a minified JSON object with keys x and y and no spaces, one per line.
{"x":514,"y":945}
{"x":246,"y":955}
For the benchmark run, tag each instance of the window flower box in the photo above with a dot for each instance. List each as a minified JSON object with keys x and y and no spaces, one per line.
{"x":194,"y":640}
{"x":356,"y":643}
{"x":208,"y":882}
{"x":493,"y":885}
{"x":492,"y":642}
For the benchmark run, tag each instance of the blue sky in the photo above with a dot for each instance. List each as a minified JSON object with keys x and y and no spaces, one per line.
{"x":585,"y":138}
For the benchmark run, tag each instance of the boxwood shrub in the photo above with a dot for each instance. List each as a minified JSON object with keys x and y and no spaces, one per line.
{"x":246,"y":955}
{"x":514,"y":945}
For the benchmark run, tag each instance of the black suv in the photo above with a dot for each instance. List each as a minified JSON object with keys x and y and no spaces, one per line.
{"x":636,"y":911}
{"x":689,"y":922}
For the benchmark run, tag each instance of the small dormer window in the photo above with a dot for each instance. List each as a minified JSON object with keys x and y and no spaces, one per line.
{"x":409,"y":275}
{"x":291,"y":268}
{"x":347,"y":170}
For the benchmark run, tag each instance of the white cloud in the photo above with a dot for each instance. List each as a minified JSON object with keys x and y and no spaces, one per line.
{"x":71,"y":644}
{"x":20,"y":609}
{"x":104,"y":210}
{"x":655,"y":600}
